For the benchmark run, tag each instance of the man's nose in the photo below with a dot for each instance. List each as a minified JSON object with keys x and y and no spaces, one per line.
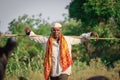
{"x":55,"y":31}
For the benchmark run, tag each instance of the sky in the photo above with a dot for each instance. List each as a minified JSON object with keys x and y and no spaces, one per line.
{"x":12,"y":9}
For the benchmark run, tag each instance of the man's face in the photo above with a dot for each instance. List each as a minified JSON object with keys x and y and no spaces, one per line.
{"x":56,"y":32}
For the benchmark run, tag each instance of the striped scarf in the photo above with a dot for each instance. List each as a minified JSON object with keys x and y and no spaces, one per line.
{"x":65,"y":58}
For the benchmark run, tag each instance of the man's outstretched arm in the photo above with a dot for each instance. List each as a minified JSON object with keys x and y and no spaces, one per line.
{"x":34,"y":37}
{"x":83,"y":38}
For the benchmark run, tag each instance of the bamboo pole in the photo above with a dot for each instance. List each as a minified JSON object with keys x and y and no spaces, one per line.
{"x":98,"y":38}
{"x":14,"y":35}
{"x":11,"y":35}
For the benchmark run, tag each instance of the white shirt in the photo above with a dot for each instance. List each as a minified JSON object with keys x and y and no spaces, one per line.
{"x":56,"y":68}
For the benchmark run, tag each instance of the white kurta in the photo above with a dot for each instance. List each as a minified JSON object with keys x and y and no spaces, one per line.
{"x":56,"y":68}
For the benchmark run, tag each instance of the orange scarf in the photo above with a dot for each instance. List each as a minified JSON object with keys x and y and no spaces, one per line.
{"x":65,"y":59}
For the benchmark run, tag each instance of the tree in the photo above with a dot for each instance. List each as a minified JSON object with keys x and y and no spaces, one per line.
{"x":91,"y":12}
{"x":103,"y":17}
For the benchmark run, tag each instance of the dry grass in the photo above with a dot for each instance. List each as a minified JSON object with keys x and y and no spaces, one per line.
{"x":95,"y":69}
{"x":32,"y":75}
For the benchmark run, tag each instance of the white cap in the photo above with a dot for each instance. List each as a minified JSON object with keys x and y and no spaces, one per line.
{"x":57,"y":25}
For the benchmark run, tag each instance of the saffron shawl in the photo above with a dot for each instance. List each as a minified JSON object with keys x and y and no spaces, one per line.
{"x":65,"y":58}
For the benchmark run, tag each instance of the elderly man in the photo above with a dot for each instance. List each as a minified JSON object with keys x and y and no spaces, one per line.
{"x":57,"y":60}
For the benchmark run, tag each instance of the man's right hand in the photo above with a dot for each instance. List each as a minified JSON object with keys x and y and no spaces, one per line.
{"x":27,"y":30}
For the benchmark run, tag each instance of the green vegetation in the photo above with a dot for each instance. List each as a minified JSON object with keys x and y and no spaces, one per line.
{"x":93,"y":58}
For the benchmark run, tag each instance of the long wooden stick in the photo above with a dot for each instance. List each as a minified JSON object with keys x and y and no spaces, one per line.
{"x":98,"y":38}
{"x":13,"y":35}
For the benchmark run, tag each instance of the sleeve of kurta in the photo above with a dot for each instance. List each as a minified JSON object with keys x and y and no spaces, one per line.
{"x":39,"y":39}
{"x":81,"y":40}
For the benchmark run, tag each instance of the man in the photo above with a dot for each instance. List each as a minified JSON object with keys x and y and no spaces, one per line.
{"x":57,"y":60}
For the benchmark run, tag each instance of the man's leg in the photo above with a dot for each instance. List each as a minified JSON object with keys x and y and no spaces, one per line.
{"x":63,"y":77}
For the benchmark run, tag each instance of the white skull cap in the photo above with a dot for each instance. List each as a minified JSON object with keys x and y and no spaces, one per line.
{"x":57,"y":25}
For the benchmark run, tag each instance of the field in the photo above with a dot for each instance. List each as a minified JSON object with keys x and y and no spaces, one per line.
{"x":80,"y":71}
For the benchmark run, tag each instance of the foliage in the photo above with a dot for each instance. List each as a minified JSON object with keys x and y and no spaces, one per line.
{"x":28,"y":55}
{"x":91,"y":12}
{"x":101,"y":16}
